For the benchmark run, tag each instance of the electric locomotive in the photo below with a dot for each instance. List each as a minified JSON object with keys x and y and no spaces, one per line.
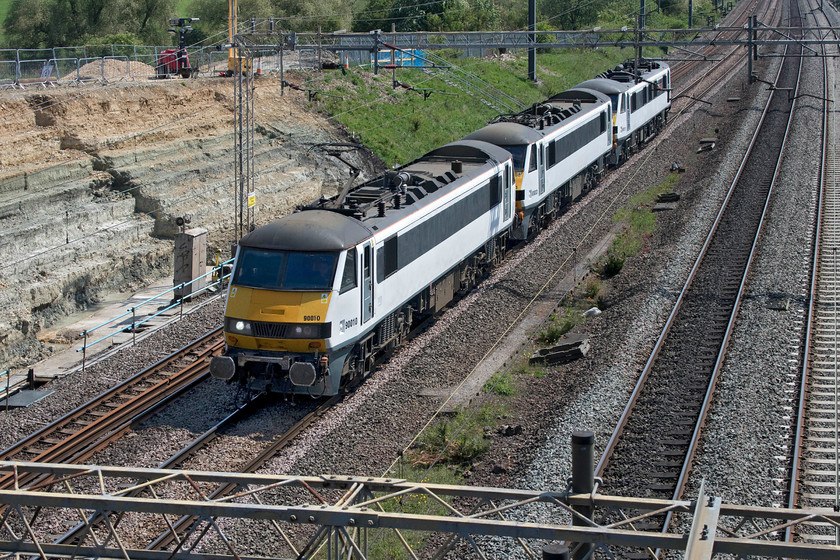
{"x":559,"y":150}
{"x":640,"y":96}
{"x":562,"y":146}
{"x":316,"y":297}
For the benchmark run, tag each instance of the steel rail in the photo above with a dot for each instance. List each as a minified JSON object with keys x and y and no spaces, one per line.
{"x":89,"y":428}
{"x":256,"y":403}
{"x":186,"y":522}
{"x":733,"y":306}
{"x":610,"y":447}
{"x":683,"y":479}
{"x":811,"y":346}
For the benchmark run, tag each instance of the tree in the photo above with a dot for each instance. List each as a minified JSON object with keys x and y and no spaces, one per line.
{"x":214,"y":15}
{"x":374,"y":15}
{"x":570,"y":14}
{"x":306,"y":15}
{"x":28,"y":24}
{"x":449,"y":15}
{"x":57,"y":23}
{"x":152,"y":19}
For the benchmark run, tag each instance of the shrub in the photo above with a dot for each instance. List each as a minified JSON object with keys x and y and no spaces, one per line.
{"x":592,"y":288}
{"x":612,"y":265}
{"x":559,"y":326}
{"x":501,"y":384}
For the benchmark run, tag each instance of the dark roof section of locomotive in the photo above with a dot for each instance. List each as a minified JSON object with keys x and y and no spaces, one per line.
{"x":579,"y":95}
{"x":531,"y":125}
{"x":622,"y":77}
{"x":506,"y":134}
{"x":605,"y":85}
{"x":318,"y":230}
{"x":396,"y":194}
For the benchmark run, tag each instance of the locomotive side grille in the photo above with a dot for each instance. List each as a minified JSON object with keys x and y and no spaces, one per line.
{"x":387,"y":329}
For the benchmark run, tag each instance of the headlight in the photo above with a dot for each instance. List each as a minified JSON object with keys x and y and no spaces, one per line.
{"x":307,"y":331}
{"x":238,"y":326}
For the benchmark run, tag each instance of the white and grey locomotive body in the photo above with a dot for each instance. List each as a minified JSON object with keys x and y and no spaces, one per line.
{"x":559,"y":150}
{"x":640,"y":97}
{"x":316,"y":297}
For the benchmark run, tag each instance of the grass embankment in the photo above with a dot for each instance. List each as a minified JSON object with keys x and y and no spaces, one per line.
{"x":399,"y":124}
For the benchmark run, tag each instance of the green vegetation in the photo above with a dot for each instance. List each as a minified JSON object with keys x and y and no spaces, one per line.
{"x":458,"y":441}
{"x":184,"y":8}
{"x":502,"y":384}
{"x":386,"y":544}
{"x":592,"y":289}
{"x":638,"y":223}
{"x":4,"y":9}
{"x":405,"y":125}
{"x":563,"y":321}
{"x":53,"y":23}
{"x":527,"y":370}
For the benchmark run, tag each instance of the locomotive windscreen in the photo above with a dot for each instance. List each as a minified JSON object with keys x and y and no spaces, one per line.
{"x":284,"y":270}
{"x":518,"y":153}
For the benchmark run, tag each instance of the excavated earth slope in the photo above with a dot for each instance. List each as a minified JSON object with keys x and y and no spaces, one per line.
{"x":92,"y":178}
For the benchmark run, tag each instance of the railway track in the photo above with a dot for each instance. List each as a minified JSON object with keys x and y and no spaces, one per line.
{"x":815,"y":465}
{"x":173,"y":535}
{"x":698,"y":73}
{"x":173,"y":538}
{"x":652,"y":448}
{"x":89,"y":428}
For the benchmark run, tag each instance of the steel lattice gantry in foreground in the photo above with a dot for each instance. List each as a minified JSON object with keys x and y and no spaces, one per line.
{"x":344,"y":516}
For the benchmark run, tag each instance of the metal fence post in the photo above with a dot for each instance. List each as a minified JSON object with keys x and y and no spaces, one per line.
{"x":182,"y":300}
{"x":583,"y":482}
{"x":8,"y":383}
{"x":133,"y":326}
{"x":84,"y":350}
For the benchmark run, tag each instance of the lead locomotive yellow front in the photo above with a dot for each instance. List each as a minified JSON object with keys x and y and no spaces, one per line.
{"x":318,"y":297}
{"x":284,"y":292}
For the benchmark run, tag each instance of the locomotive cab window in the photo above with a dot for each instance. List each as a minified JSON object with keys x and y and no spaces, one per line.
{"x":348,"y":278}
{"x":532,"y":162}
{"x":518,"y":152}
{"x":284,"y":270}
